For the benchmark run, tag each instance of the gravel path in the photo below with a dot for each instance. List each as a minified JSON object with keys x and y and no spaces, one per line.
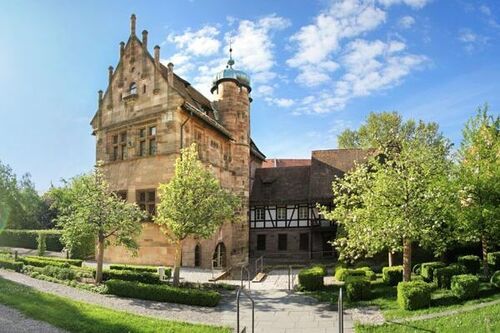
{"x":13,"y":321}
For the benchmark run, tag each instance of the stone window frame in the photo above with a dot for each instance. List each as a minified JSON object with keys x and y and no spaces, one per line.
{"x":118,"y":145}
{"x":144,"y":201}
{"x":147,"y":140}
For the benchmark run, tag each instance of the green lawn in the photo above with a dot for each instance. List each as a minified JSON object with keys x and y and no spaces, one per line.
{"x":82,"y":317}
{"x":384,"y":297}
{"x":484,"y":320}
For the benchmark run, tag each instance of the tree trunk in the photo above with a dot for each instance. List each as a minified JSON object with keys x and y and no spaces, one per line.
{"x":484,"y":246}
{"x":406,"y":260}
{"x":177,"y":263}
{"x":390,"y":255}
{"x":100,"y":258}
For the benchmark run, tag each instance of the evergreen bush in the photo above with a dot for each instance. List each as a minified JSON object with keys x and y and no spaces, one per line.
{"x":414,"y":295}
{"x":312,"y":278}
{"x":472,"y":263}
{"x":392,"y":275}
{"x":427,"y":270}
{"x":465,"y":286}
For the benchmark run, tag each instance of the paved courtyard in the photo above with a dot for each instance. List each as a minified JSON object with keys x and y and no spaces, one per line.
{"x":275,"y":310}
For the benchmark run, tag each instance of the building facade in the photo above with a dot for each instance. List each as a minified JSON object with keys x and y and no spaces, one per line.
{"x":148,"y":114}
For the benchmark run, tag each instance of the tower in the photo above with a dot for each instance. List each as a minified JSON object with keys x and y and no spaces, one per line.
{"x":231,"y":89}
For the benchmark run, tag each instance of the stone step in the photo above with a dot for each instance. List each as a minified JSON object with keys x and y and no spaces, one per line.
{"x":259,"y":277}
{"x":219,"y":276}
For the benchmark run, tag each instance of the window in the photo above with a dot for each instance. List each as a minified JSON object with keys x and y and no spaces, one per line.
{"x":260,"y":214}
{"x":152,"y":147}
{"x":152,"y":131}
{"x":303,"y":213}
{"x":304,"y":242}
{"x":197,"y":255}
{"x":142,"y":148}
{"x":133,"y":88}
{"x":146,"y":199}
{"x":281,"y":213}
{"x":115,"y":153}
{"x":115,"y":139}
{"x":123,"y":145}
{"x":261,"y":242}
{"x":119,"y":147}
{"x":282,"y":242}
{"x":142,"y":132}
{"x":122,"y":195}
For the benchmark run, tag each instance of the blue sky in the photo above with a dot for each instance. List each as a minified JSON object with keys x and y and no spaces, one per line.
{"x":317,"y":67}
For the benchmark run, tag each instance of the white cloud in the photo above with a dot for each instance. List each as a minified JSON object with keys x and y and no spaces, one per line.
{"x":203,"y":42}
{"x":490,"y":18}
{"x":280,"y":102}
{"x":343,"y":19}
{"x":406,"y":22}
{"x":417,"y":4}
{"x":471,"y":40}
{"x":265,"y":90}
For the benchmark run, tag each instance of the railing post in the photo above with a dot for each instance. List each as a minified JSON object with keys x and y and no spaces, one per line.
{"x":15,"y":255}
{"x":341,"y":311}
{"x":238,"y":293}
{"x":289,"y":273}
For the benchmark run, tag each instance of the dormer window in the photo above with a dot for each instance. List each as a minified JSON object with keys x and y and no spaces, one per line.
{"x":133,"y":89}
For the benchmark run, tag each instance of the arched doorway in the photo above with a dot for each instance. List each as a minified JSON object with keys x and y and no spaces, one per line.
{"x":219,"y":258}
{"x":197,"y":255}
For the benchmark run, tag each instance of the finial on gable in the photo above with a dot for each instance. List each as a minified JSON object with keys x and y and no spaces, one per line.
{"x":145,"y":39}
{"x":230,"y":62}
{"x":132,"y":25}
{"x":122,"y":49}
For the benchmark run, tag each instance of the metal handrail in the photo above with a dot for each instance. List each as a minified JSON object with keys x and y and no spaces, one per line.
{"x":238,"y":309}
{"x":341,"y":311}
{"x":245,"y":268}
{"x":261,"y":260}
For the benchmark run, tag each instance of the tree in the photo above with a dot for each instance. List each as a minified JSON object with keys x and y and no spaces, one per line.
{"x":395,"y":200}
{"x":88,"y":209}
{"x":478,"y":179}
{"x":192,"y":203}
{"x":385,"y":132}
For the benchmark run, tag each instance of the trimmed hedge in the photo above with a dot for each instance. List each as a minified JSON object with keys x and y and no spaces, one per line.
{"x":427,"y":270}
{"x":414,"y":295}
{"x":131,"y":276}
{"x":46,"y":261}
{"x":369,"y":273}
{"x":465,"y":286}
{"x":392,"y":275}
{"x":494,"y":260}
{"x":11,"y":264}
{"x":28,"y":239}
{"x":312,"y":278}
{"x":443,"y":298}
{"x":472,"y":263}
{"x":342,"y":274}
{"x":495,"y":279}
{"x":163,"y":293}
{"x":136,"y":268}
{"x":357,"y":288}
{"x":442,"y":276}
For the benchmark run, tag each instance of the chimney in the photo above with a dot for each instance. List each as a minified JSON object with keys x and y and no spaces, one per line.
{"x":99,"y":99}
{"x":122,"y":49}
{"x":170,"y":72}
{"x":157,"y":55}
{"x":145,"y":39}
{"x":132,"y":25}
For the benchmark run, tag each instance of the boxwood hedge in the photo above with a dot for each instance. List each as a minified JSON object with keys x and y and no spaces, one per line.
{"x":472,"y":263}
{"x":392,"y":275}
{"x":442,"y":276}
{"x":427,"y":269}
{"x":414,"y":295}
{"x":29,"y":239}
{"x":123,"y":275}
{"x":11,"y":264}
{"x":163,"y":293}
{"x":357,"y":288}
{"x":312,"y":278}
{"x":465,"y":286}
{"x":341,"y":274}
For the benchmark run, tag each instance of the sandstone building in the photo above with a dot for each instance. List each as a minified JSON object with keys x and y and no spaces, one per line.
{"x":148,"y":114}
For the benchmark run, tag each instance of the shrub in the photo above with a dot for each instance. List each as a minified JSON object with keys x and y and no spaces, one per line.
{"x":392,"y":275}
{"x":357,"y":288}
{"x":312,"y":278}
{"x":85,"y":249}
{"x":144,"y":277}
{"x":442,"y":276}
{"x":495,"y":279}
{"x":465,"y":286}
{"x":44,"y":261}
{"x":29,"y":239}
{"x":135,"y":268}
{"x":471,"y":263}
{"x":370,"y":275}
{"x":342,"y":274}
{"x":414,"y":295}
{"x":41,"y":244}
{"x":60,"y":273}
{"x":11,"y":264}
{"x":163,"y":293}
{"x":427,"y":269}
{"x":417,"y":269}
{"x":494,"y":260}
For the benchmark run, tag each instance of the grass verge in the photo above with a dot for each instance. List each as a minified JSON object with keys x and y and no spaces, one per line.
{"x":482,"y":320}
{"x":82,"y":317}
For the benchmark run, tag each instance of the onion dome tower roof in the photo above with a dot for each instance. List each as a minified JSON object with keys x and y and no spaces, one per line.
{"x":231,"y":74}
